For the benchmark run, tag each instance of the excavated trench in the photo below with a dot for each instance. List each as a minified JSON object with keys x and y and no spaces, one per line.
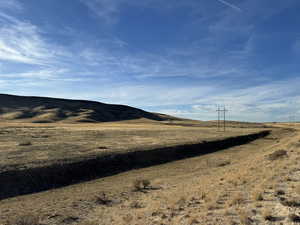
{"x":32,"y":180}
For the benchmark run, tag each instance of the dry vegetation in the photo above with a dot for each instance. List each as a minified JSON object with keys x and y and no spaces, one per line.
{"x":36,"y":145}
{"x":256,"y":183}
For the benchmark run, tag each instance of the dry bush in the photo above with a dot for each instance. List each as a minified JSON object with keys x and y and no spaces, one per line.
{"x":104,"y":199}
{"x":258,"y":196}
{"x":141,"y":184}
{"x":29,"y":219}
{"x":223,"y":163}
{"x":277,"y":154}
{"x":203,"y":195}
{"x":181,"y":202}
{"x":268,"y":215}
{"x":128,"y":218}
{"x":245,"y":217}
{"x":238,"y":199}
{"x":137,"y":205}
{"x":194,"y":221}
{"x":233,"y":182}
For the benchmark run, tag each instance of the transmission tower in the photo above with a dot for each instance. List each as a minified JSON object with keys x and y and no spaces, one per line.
{"x":222,"y":112}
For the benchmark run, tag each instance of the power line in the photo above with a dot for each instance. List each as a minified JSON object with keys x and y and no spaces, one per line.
{"x":222,"y":112}
{"x":218,"y":110}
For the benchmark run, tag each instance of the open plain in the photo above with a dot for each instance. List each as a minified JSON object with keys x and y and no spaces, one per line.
{"x":148,"y":172}
{"x":25,"y":145}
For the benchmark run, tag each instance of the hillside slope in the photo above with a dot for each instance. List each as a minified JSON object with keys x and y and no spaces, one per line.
{"x":44,"y":109}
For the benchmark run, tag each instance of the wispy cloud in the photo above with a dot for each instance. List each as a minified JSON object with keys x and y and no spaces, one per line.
{"x":105,"y":9}
{"x":236,"y":8}
{"x":42,"y":74}
{"x":23,"y":43}
{"x":109,"y":10}
{"x":268,"y":102}
{"x":11,"y":4}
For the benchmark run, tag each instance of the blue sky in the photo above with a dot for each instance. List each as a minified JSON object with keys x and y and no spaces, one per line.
{"x":177,"y":57}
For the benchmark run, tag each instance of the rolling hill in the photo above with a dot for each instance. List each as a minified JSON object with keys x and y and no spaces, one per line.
{"x":47,"y":110}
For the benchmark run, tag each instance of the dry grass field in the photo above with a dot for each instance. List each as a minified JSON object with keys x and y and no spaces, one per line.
{"x":36,"y":157}
{"x":239,"y":183}
{"x":25,"y":145}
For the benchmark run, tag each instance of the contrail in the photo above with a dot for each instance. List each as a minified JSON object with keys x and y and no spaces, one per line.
{"x":231,"y":5}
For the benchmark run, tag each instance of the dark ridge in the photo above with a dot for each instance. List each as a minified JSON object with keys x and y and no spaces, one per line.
{"x":27,"y":181}
{"x":28,"y":107}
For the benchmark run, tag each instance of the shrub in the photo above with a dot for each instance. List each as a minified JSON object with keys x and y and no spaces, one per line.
{"x":258,"y":196}
{"x":223,"y":163}
{"x":277,"y":154}
{"x":268,"y":215}
{"x":137,"y":205}
{"x":103,"y":199}
{"x":239,"y":199}
{"x":141,"y":184}
{"x":245,"y":217}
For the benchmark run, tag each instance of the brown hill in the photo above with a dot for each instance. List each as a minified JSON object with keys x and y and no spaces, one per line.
{"x":44,"y":109}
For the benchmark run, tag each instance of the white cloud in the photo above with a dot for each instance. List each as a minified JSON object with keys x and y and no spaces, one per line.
{"x":268,"y":102}
{"x":25,"y":45}
{"x":152,"y":95}
{"x":22,"y":42}
{"x":146,"y":65}
{"x":43,"y":74}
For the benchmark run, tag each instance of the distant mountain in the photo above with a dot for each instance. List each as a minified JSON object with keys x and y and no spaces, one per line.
{"x":47,"y":110}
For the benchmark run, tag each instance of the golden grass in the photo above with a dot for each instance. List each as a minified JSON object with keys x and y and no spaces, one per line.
{"x":182,"y":182}
{"x":38,"y":145}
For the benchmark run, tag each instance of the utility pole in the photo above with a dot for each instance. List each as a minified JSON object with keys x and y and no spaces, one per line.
{"x":224,"y":111}
{"x":220,"y":112}
{"x":219,"y":117}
